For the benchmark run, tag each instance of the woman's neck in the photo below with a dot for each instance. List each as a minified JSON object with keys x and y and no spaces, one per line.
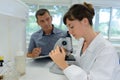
{"x":88,"y":39}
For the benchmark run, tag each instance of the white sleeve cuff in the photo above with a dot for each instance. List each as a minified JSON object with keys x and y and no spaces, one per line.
{"x":74,"y":72}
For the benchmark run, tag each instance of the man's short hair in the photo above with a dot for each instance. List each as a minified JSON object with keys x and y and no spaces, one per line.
{"x":41,"y":12}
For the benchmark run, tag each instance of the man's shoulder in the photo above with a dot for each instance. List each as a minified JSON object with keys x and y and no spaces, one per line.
{"x":58,"y":31}
{"x":37,"y":33}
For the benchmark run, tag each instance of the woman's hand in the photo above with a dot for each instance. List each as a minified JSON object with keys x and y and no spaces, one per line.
{"x":58,"y":56}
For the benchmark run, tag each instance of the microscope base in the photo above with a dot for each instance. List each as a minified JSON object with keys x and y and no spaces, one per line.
{"x":55,"y":69}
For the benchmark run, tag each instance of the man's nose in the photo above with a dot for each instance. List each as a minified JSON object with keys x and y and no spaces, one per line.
{"x":46,"y":22}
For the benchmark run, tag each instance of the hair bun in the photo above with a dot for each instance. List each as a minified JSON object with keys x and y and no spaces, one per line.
{"x":89,"y":7}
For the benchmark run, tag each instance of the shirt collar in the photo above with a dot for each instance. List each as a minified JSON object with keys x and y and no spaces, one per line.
{"x":53,"y":31}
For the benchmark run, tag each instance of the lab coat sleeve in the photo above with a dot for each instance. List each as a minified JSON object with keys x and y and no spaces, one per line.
{"x":74,"y":72}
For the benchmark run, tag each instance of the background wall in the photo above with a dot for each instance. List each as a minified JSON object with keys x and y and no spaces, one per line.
{"x":13,"y":19}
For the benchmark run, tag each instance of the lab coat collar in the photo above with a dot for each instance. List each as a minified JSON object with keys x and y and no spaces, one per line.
{"x":88,"y":57}
{"x":98,"y":39}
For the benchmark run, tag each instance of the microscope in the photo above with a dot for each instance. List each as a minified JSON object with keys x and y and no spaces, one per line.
{"x":66,"y":43}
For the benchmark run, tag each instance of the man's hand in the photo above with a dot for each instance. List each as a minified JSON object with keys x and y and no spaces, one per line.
{"x":35,"y":53}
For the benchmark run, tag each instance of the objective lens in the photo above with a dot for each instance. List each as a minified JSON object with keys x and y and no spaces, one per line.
{"x":64,"y":43}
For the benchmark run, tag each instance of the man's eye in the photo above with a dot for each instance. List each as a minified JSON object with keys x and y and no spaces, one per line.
{"x":47,"y":19}
{"x":41,"y":21}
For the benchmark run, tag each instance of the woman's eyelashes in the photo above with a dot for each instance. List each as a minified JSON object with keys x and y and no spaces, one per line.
{"x":71,"y":27}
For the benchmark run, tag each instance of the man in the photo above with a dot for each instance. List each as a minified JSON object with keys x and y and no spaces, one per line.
{"x":43,"y":41}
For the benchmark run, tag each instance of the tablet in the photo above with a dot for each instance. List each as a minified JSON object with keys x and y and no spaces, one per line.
{"x":42,"y":56}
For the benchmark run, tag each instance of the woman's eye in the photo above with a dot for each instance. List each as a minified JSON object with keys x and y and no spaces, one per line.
{"x":71,"y":27}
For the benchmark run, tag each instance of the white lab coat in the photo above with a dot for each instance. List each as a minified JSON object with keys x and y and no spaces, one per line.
{"x":117,"y":75}
{"x":98,"y":62}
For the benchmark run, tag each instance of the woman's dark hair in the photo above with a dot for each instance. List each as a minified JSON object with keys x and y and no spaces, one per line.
{"x":80,"y":11}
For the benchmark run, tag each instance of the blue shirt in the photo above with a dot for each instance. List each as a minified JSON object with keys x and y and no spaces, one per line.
{"x":45,"y":42}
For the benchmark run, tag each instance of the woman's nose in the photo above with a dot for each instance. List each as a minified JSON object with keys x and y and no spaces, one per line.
{"x":70,"y":31}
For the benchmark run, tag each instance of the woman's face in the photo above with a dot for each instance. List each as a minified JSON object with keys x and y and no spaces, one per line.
{"x":75,"y":28}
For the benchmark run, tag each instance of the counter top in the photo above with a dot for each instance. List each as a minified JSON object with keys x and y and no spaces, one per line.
{"x":39,"y":69}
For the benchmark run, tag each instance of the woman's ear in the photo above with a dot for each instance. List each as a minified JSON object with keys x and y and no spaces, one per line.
{"x":85,"y":21}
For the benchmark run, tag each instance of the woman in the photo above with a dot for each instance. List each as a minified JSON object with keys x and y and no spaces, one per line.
{"x":97,"y":59}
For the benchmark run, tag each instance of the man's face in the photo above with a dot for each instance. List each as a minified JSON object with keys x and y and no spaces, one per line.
{"x":45,"y":21}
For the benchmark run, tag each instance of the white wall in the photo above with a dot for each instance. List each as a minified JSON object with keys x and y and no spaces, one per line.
{"x":13,"y":18}
{"x":15,"y":8}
